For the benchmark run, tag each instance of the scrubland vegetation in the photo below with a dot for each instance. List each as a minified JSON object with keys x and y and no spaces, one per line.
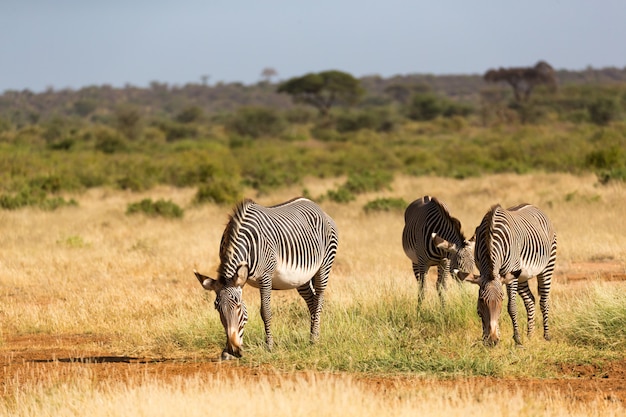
{"x":106,"y":211}
{"x":125,"y":283}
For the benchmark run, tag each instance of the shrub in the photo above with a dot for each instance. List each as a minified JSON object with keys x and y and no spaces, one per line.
{"x":256,"y":122}
{"x":605,"y":158}
{"x":300,"y":115}
{"x":84,"y":107}
{"x":54,"y":203}
{"x":161,"y":207}
{"x":174,"y":131}
{"x":614,"y":174}
{"x":425,"y":107}
{"x":134,"y":183}
{"x":219,"y":191}
{"x":190,"y":114}
{"x":379,"y":120}
{"x":128,"y":121}
{"x":33,"y":197}
{"x":603,"y":110}
{"x":109,"y":142}
{"x":385,"y":204}
{"x":341,"y":195}
{"x":368,"y":181}
{"x":360,"y":183}
{"x":528,"y":112}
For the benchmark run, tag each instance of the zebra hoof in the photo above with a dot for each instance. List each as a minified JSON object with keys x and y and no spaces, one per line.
{"x":227,"y":356}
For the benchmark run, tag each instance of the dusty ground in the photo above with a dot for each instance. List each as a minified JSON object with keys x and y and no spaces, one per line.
{"x":36,"y":357}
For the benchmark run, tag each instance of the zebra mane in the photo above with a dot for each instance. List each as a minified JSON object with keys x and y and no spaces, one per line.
{"x":231,"y":231}
{"x":486,"y":228}
{"x":446,"y":213}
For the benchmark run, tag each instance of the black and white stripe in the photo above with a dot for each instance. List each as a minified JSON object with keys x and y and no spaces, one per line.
{"x":512,"y":246}
{"x":432,"y":237}
{"x":287,"y":246}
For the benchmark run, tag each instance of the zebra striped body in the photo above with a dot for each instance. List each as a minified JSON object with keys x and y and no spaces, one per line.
{"x":288,"y":246}
{"x":513,"y":246}
{"x":432,"y":237}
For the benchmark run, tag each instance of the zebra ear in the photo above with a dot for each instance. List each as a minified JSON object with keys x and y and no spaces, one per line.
{"x":206,"y":282}
{"x":462,"y":276}
{"x":441,"y":243}
{"x":242,"y":275}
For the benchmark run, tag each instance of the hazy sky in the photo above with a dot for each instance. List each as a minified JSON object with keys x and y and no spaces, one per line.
{"x":76,"y":43}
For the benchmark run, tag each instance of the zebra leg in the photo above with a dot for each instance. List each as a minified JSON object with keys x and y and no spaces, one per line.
{"x":443,"y":271}
{"x":320,"y":281}
{"x":512,"y":309}
{"x":266,"y":314}
{"x":307,"y":292}
{"x":543,"y":285}
{"x":420,"y":274}
{"x":529,"y":303}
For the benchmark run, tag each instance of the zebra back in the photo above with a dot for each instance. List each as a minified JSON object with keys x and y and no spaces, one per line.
{"x":423,"y":217}
{"x":298,"y":232}
{"x":507,"y":238}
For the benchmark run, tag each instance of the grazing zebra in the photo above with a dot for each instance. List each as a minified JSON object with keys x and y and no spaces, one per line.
{"x":287,"y":246}
{"x":512,"y":246}
{"x":432,"y":237}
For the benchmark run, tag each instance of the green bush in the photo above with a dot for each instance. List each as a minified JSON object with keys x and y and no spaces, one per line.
{"x":368,"y":181}
{"x":341,"y":195}
{"x":300,"y":115}
{"x":603,"y":110}
{"x":109,"y":142}
{"x":129,"y":121}
{"x":219,"y":191}
{"x":190,"y":114}
{"x":425,"y":106}
{"x":256,"y":122}
{"x":615,"y":174}
{"x":605,"y":158}
{"x":174,"y":131}
{"x":159,"y":208}
{"x":33,"y":197}
{"x":385,"y":204}
{"x":360,"y":183}
{"x":54,"y":203}
{"x":379,"y":120}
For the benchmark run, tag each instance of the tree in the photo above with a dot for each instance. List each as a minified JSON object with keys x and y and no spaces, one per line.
{"x":268,"y":73}
{"x":128,"y":121}
{"x":402,"y":92}
{"x":323,"y":90}
{"x":524,"y":79}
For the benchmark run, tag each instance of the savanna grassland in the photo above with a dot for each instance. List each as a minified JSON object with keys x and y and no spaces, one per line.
{"x":110,"y":198}
{"x":101,"y":314}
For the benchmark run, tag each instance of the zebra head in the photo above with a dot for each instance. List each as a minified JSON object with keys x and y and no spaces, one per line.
{"x":229,"y":304}
{"x":489,"y":305}
{"x":462,"y":264}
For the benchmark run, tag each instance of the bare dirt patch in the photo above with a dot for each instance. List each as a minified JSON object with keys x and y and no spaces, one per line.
{"x":582,"y":383}
{"x":608,"y":270}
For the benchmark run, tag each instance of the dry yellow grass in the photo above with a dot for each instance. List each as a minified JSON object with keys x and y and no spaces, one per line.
{"x":305,"y":395}
{"x":95,"y":269}
{"x":92,"y":269}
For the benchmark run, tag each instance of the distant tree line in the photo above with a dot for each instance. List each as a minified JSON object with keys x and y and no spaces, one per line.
{"x":100,"y":102}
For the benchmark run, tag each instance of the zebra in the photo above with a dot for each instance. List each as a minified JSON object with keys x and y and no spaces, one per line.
{"x":432,"y":237}
{"x":286,"y":246}
{"x":512,"y":246}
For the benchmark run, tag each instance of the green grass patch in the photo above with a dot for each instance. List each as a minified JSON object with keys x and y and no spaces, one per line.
{"x":159,"y":208}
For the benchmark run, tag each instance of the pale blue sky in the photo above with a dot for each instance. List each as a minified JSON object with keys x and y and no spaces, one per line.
{"x":76,"y":43}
